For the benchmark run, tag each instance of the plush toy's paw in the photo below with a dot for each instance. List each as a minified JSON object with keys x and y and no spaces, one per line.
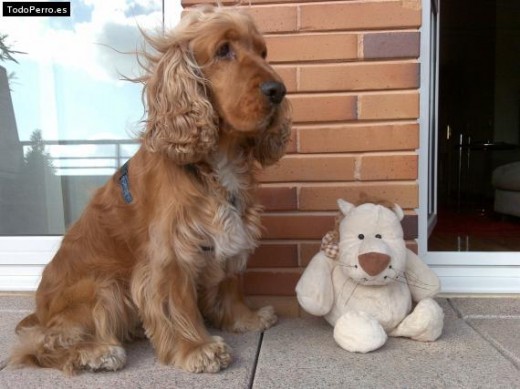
{"x":314,"y":289}
{"x":313,"y":305}
{"x":424,"y":323}
{"x":359,"y":332}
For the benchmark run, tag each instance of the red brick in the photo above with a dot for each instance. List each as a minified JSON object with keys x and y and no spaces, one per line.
{"x":355,"y":15}
{"x":388,"y":167}
{"x":307,"y":251}
{"x":323,"y":107}
{"x":358,"y":76}
{"x":187,"y":3}
{"x":356,"y":137}
{"x":312,"y":47}
{"x":274,"y":18}
{"x":276,"y":198}
{"x":310,"y":168}
{"x":297,"y":225}
{"x":288,"y":74}
{"x":271,"y":282}
{"x":323,"y":197}
{"x":284,"y":306}
{"x":412,"y":245}
{"x":389,"y":105}
{"x":292,"y":147}
{"x":274,"y":255}
{"x":379,"y":45}
{"x":410,"y":225}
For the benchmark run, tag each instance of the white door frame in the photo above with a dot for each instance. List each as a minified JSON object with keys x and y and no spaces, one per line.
{"x":460,"y":272}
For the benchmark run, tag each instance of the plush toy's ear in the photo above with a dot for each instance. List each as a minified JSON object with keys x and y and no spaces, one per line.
{"x":345,"y":207}
{"x":398,"y":211}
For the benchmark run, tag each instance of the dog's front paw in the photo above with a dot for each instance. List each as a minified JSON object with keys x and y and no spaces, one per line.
{"x":266,"y":317}
{"x":209,"y":357}
{"x":259,"y":320}
{"x":100,"y":357}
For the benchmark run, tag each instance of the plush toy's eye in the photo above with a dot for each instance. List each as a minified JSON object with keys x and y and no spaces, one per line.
{"x":378,"y":236}
{"x":361,"y":236}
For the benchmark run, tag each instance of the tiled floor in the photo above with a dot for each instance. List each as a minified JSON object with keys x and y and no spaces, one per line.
{"x":470,"y":229}
{"x":479,"y":348}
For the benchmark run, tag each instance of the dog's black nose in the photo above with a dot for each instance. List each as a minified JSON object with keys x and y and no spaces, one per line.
{"x":275,"y":91}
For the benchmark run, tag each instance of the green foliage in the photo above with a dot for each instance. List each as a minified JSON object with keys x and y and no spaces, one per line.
{"x":29,"y":200}
{"x":6,"y":52}
{"x":36,"y":158}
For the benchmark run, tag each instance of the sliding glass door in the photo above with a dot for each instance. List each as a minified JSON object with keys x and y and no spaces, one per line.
{"x":67,"y":120}
{"x":461,"y":271}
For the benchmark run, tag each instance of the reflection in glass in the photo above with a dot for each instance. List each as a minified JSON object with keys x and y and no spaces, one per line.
{"x":66,"y":116}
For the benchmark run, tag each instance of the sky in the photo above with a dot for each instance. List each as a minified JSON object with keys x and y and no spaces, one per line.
{"x":68,"y":82}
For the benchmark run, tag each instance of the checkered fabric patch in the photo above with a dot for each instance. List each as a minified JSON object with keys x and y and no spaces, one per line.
{"x":329,"y":244}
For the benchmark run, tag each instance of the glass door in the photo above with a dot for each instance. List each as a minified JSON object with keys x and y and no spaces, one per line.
{"x":462,"y":270}
{"x":67,"y":121}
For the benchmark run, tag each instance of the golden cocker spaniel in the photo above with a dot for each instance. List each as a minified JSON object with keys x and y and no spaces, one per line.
{"x":160,"y":247}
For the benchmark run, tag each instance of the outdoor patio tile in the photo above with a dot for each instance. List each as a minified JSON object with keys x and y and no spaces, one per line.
{"x":141,"y":371}
{"x":8,"y":321}
{"x":16,"y":302}
{"x":301,"y":353}
{"x":502,"y":333}
{"x":494,"y":306}
{"x":13,"y":308}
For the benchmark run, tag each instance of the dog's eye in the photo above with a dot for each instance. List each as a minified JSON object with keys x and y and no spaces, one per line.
{"x":378,"y":236}
{"x":224,"y":51}
{"x":361,"y":236}
{"x":263,"y":54}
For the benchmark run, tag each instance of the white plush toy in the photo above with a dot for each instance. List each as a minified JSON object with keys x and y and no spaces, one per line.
{"x":365,"y":284}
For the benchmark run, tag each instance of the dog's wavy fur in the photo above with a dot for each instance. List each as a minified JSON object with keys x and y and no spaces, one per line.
{"x":171,"y":258}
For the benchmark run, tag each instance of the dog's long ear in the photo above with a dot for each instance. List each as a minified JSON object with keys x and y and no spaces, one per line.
{"x":181,"y":121}
{"x":270,"y":145}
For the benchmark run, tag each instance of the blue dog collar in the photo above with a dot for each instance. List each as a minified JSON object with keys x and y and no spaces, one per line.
{"x":125,"y":186}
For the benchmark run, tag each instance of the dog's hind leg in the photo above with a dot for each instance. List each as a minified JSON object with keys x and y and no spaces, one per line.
{"x":77,"y":331}
{"x":28,"y":321}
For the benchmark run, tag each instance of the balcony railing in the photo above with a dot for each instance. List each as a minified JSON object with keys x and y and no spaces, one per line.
{"x":87,"y":157}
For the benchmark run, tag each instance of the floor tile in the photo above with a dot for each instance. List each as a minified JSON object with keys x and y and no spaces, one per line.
{"x":494,"y":306}
{"x":504,"y":334}
{"x":302,"y":353}
{"x":141,"y":371}
{"x":8,"y":321}
{"x":12,"y":302}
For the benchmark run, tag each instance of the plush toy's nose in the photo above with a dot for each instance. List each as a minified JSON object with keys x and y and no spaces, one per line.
{"x":373,"y":263}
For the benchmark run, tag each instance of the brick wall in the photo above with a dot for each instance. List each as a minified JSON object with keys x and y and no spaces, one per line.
{"x":352,"y":71}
